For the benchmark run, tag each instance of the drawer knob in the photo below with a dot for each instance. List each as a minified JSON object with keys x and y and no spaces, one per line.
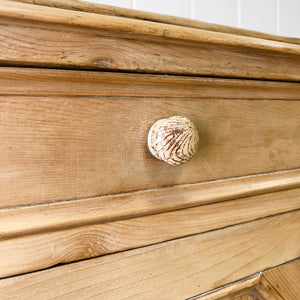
{"x":174,"y":140}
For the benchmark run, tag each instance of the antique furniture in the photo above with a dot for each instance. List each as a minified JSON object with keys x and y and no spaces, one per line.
{"x":88,"y":212}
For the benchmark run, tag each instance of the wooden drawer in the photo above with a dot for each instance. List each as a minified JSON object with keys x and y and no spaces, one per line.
{"x":59,"y":147}
{"x":81,"y":137}
{"x":176,"y":269}
{"x":75,"y":35}
{"x":78,"y":182}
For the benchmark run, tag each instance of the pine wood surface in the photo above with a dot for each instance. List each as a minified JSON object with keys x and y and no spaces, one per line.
{"x":60,"y":148}
{"x":285,"y":280}
{"x":85,"y":40}
{"x":261,"y":291}
{"x":32,"y":252}
{"x":114,"y":24}
{"x":280,"y":282}
{"x":73,"y":140}
{"x":243,"y":286}
{"x":172,"y":270}
{"x":265,"y":291}
{"x":254,"y":287}
{"x":35,"y":81}
{"x":33,"y":219}
{"x":154,"y":17}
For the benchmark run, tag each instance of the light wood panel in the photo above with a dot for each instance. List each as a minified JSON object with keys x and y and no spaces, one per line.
{"x":33,"y":252}
{"x":144,"y":15}
{"x":70,"y":214}
{"x":254,"y":287}
{"x":280,"y":282}
{"x":285,"y":280}
{"x":261,"y":291}
{"x":93,"y":41}
{"x":243,"y":285}
{"x":128,"y":26}
{"x":31,"y":81}
{"x":59,"y":148}
{"x":264,"y":291}
{"x":176,"y":269}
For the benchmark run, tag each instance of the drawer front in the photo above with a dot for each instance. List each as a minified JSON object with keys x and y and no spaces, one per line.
{"x":92,"y":41}
{"x":69,"y":231}
{"x":200,"y":263}
{"x":67,"y":147}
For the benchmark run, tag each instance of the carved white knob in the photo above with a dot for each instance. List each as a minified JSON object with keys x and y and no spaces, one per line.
{"x":174,"y":140}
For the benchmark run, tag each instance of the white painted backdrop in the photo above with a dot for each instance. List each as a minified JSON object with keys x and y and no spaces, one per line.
{"x":280,"y":17}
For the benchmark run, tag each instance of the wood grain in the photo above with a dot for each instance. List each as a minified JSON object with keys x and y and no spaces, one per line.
{"x":265,"y":291}
{"x":176,"y":269}
{"x":260,"y":291}
{"x":70,"y":214}
{"x":281,"y":282}
{"x":242,"y":286}
{"x":93,"y":41}
{"x":50,"y":15}
{"x":59,"y":148}
{"x":254,"y":287}
{"x":285,"y":280}
{"x":154,"y":17}
{"x":33,"y":252}
{"x":34,"y":81}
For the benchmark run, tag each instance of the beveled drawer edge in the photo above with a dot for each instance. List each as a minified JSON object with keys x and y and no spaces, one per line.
{"x":38,"y":251}
{"x":103,"y":9}
{"x":16,"y":81}
{"x":24,"y":220}
{"x":134,"y":28}
{"x":145,"y":41}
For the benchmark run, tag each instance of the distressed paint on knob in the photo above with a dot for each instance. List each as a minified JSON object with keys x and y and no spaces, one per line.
{"x":174,"y":140}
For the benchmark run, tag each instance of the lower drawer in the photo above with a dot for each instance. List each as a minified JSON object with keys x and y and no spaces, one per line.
{"x":65,"y":147}
{"x":176,"y":269}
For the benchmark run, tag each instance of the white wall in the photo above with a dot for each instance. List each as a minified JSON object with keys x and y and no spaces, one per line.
{"x":280,"y":17}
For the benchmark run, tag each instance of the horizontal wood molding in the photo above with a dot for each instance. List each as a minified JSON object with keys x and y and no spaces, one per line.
{"x":155,"y":17}
{"x":147,"y":273}
{"x":30,"y":81}
{"x":64,"y":147}
{"x":83,"y":40}
{"x":26,"y":220}
{"x":113,"y":24}
{"x":38,"y":251}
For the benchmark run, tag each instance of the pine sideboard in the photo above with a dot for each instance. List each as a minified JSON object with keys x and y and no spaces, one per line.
{"x":87,"y":211}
